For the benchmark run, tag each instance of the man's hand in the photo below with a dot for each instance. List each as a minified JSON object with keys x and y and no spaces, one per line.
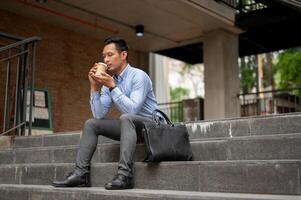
{"x":91,"y":73}
{"x":104,"y":79}
{"x":93,"y":82}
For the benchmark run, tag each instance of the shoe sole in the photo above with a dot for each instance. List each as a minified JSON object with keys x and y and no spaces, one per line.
{"x":118,"y":188}
{"x":83,"y":185}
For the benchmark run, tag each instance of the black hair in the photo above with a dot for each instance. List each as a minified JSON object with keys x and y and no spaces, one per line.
{"x":120,"y":44}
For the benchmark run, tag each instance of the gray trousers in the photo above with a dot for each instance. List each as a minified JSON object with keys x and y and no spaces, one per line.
{"x":125,"y":130}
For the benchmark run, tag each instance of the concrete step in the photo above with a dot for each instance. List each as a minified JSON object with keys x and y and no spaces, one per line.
{"x":34,"y":192}
{"x":261,"y":177}
{"x":228,"y":128}
{"x":5,"y":142}
{"x":269,"y":147}
{"x":249,"y":126}
{"x":58,"y":139}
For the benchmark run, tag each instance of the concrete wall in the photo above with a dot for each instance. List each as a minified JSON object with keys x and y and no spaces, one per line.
{"x":63,"y":61}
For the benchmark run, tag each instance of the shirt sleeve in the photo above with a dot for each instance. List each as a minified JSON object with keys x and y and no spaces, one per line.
{"x":133,"y":103}
{"x":100,"y":103}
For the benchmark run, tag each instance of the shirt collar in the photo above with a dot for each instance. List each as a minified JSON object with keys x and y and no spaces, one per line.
{"x":122,"y":74}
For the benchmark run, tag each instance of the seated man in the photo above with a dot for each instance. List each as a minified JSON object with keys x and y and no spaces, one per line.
{"x":130,"y":90}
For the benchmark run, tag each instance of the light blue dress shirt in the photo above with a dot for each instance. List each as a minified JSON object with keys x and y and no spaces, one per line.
{"x":133,"y":94}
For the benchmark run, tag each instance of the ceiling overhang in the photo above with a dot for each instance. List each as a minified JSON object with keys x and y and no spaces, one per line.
{"x":168,"y":24}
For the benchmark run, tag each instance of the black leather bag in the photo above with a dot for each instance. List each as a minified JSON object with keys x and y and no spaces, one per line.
{"x":166,"y":141}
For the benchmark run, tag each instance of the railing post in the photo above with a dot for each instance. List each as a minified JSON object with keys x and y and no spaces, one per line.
{"x":32,"y":85}
{"x":299,"y":102}
{"x":274,"y":105}
{"x":258,"y":107}
{"x":6,"y":97}
{"x":17,"y":95}
{"x":24,"y":87}
{"x":182,"y":112}
{"x":243,"y":104}
{"x":15,"y":111}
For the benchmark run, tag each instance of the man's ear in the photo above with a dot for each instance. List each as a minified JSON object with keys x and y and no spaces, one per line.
{"x":124,"y":55}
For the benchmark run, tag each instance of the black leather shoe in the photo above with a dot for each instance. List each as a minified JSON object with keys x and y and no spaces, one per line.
{"x":120,"y":182}
{"x":74,"y":180}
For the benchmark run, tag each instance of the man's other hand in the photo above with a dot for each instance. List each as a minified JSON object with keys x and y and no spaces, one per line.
{"x":104,"y":79}
{"x":93,"y":82}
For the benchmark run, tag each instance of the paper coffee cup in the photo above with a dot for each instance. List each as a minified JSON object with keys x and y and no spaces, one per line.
{"x":101,"y":67}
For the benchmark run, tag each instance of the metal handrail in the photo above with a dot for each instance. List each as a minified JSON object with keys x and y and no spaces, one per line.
{"x":270,"y":91}
{"x":24,"y":81}
{"x":14,"y":128}
{"x":243,"y":6}
{"x":173,"y":110}
{"x":14,"y":56}
{"x":271,"y":102}
{"x":10,"y":36}
{"x":22,"y":42}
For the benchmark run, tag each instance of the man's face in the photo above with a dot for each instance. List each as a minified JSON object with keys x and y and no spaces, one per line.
{"x":113,"y":58}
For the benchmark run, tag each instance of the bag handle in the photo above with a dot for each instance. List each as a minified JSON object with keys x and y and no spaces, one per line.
{"x":155,"y":117}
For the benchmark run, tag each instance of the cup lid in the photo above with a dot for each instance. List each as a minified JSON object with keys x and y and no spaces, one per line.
{"x":104,"y":64}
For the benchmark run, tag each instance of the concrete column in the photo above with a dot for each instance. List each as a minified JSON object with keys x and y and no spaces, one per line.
{"x":159,"y":76}
{"x":143,"y":61}
{"x":221,"y":75}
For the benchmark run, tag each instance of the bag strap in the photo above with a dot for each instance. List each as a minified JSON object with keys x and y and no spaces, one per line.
{"x":155,"y":117}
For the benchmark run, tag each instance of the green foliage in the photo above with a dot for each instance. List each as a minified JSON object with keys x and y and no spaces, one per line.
{"x":247,"y":71}
{"x":178,"y":93}
{"x":247,"y":80}
{"x":288,"y":69}
{"x":176,"y":113}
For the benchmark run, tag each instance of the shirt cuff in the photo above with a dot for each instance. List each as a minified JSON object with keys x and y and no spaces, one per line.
{"x":116,"y":93}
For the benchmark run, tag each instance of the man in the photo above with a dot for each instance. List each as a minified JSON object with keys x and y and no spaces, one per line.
{"x":130,"y":90}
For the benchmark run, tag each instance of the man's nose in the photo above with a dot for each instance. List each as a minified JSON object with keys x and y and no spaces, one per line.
{"x":106,"y":60}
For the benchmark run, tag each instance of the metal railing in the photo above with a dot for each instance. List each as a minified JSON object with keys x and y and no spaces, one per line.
{"x":174,"y":110}
{"x":271,"y":102}
{"x":257,"y":103}
{"x":17,"y":62}
{"x":243,"y":6}
{"x":185,"y":110}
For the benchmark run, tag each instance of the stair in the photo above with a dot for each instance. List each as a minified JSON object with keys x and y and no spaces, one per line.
{"x":244,"y":158}
{"x":24,"y":192}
